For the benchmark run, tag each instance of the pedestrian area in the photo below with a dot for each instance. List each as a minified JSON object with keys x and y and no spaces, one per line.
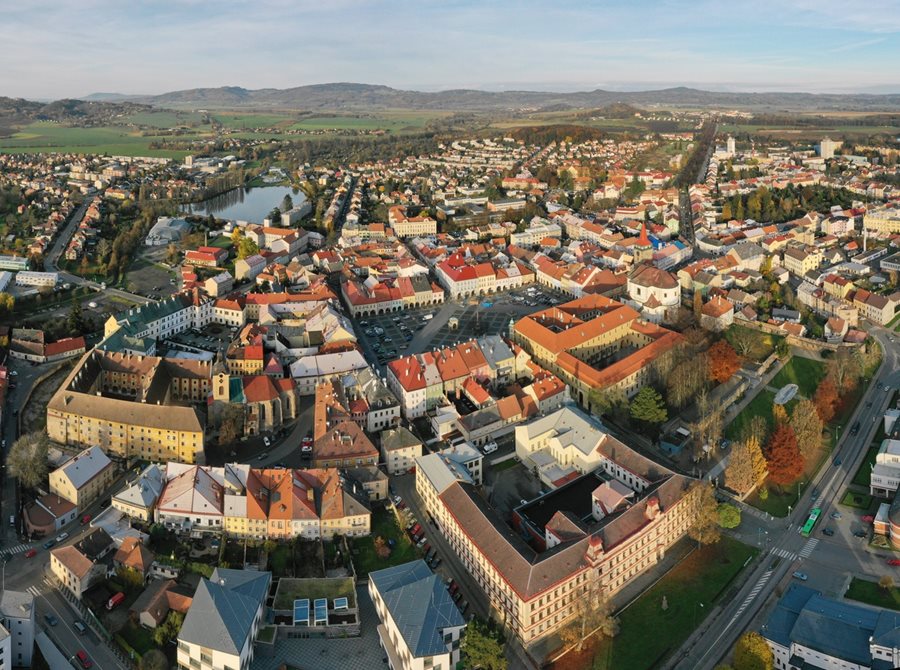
{"x":350,"y":653}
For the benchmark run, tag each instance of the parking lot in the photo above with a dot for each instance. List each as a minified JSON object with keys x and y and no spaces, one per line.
{"x":389,"y":336}
{"x":149,"y":276}
{"x":213,"y":338}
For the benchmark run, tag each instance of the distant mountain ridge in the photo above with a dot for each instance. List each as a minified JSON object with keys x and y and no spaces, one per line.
{"x":368,"y":97}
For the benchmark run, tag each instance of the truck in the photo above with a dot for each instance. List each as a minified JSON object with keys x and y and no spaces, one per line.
{"x":115,"y":601}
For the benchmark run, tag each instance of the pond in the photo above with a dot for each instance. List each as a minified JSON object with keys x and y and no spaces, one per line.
{"x":246,"y":204}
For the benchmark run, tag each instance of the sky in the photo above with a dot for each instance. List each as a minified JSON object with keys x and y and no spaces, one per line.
{"x":53,"y":49}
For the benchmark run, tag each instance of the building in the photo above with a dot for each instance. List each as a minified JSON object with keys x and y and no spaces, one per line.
{"x":133,"y":406}
{"x":138,"y":499}
{"x":885,"y":476}
{"x":140,"y":327}
{"x":76,"y":571}
{"x":14,"y":263}
{"x":884,"y":221}
{"x":808,"y":630}
{"x":575,"y":545}
{"x":17,"y":615}
{"x":224,"y":620}
{"x":716,"y":314}
{"x":29,"y":345}
{"x":219,"y":285}
{"x":338,"y":440}
{"x":594,"y":343}
{"x":83,"y":478}
{"x":410,"y":226}
{"x":249,"y":268}
{"x":167,"y":230}
{"x":826,"y":148}
{"x":421,"y":627}
{"x":654,"y":292}
{"x":25,"y":278}
{"x":798,"y":260}
{"x":399,"y":449}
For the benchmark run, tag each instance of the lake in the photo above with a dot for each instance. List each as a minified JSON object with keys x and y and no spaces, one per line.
{"x":246,"y":204}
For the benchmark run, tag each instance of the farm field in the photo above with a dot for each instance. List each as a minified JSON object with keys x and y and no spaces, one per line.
{"x":43,"y":136}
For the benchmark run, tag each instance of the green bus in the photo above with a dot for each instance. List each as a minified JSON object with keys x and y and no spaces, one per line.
{"x":810,"y":522}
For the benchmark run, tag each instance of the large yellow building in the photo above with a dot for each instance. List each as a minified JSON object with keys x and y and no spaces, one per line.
{"x":132,"y":406}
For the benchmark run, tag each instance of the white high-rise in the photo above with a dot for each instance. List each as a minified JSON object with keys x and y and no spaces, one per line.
{"x":827,"y":147}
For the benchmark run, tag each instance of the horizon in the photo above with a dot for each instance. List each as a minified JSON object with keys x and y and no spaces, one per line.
{"x":151,"y":48}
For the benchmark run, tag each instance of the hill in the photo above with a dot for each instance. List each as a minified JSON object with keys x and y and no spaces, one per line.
{"x":368,"y":97}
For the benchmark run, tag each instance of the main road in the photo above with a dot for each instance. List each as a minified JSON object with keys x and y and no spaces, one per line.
{"x":831,"y":559}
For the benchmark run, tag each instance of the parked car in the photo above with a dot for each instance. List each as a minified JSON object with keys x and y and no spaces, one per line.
{"x":62,"y":537}
{"x":868,"y":518}
{"x":827,"y":531}
{"x":860,"y":533}
{"x":307,"y":441}
{"x":894,"y":561}
{"x":267,"y":442}
{"x":397,"y":500}
{"x":836,"y":515}
{"x":85,"y":520}
{"x":84,"y":659}
{"x":263,"y":456}
{"x":51,"y":620}
{"x":435,"y":562}
{"x":80,"y":627}
{"x":49,"y":543}
{"x":490,"y":447}
{"x":802,"y":576}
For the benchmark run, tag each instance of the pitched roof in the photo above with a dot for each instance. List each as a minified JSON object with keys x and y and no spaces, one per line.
{"x":419,"y":604}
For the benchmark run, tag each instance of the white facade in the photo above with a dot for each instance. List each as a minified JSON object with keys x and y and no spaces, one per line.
{"x":28,"y":278}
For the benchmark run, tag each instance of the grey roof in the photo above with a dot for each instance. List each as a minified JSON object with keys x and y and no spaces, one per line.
{"x":85,"y":466}
{"x":145,"y":490}
{"x":17,"y":605}
{"x":224,"y":608}
{"x":398,"y":438}
{"x":495,"y":350}
{"x":441,"y":473}
{"x":419,"y":604}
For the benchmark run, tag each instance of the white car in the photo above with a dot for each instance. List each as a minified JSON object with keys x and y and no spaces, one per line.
{"x":490,"y":447}
{"x":267,"y":442}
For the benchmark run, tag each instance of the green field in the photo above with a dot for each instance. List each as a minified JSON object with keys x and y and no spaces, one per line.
{"x":804,"y":372}
{"x":166,"y":119}
{"x":44,"y":136}
{"x":762,"y":405}
{"x":870,"y":593}
{"x":691,"y":589}
{"x":384,"y":524}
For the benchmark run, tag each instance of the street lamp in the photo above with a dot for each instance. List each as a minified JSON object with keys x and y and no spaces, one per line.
{"x":799,"y":484}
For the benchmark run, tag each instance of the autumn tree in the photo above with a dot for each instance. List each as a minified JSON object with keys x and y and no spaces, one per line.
{"x":752,"y":652}
{"x":783,"y":456}
{"x":231,"y":425}
{"x":886,"y":582}
{"x":593,"y":613}
{"x":708,"y":427}
{"x":807,"y":427}
{"x":746,"y":466}
{"x":27,"y":459}
{"x":705,"y":529}
{"x":723,"y":361}
{"x":826,"y":400}
{"x":648,"y":406}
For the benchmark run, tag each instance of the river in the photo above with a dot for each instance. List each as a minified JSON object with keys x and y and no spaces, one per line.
{"x":246,"y":204}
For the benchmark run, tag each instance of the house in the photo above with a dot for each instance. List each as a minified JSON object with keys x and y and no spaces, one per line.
{"x":77,"y":566}
{"x":421,"y":627}
{"x":133,"y":555}
{"x":248,"y":268}
{"x":83,"y":478}
{"x":219,"y":285}
{"x":159,"y":598}
{"x":224,"y":620}
{"x":717,"y":314}
{"x":138,"y":499}
{"x":399,"y":449}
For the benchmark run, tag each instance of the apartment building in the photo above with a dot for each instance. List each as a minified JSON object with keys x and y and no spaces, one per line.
{"x":132,"y":406}
{"x":410,"y":226}
{"x":883,"y":221}
{"x":17,"y":613}
{"x":83,"y":478}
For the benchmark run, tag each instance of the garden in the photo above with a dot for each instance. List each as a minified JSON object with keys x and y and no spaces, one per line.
{"x":399,"y":547}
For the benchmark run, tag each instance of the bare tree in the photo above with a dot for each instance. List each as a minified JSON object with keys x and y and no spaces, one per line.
{"x":742,"y":339}
{"x":593,"y":613}
{"x":27,"y":459}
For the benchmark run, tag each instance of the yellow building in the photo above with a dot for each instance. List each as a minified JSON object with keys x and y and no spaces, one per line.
{"x":132,"y":406}
{"x":885,"y":221}
{"x":82,"y":479}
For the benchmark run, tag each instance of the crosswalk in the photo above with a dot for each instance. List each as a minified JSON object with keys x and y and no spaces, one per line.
{"x":753,"y":593}
{"x":18,"y":549}
{"x":809,"y":547}
{"x":784,"y":553}
{"x":35,"y":590}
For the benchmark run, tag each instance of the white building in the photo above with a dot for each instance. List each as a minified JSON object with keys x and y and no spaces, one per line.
{"x":224,"y":620}
{"x":826,"y":147}
{"x":29,"y":278}
{"x":17,"y":614}
{"x":885,"y":476}
{"x":421,"y":627}
{"x":654,"y":292}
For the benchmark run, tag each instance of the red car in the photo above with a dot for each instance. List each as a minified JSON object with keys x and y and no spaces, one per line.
{"x":83,"y":659}
{"x":894,"y":561}
{"x":306,"y":441}
{"x":868,"y":518}
{"x":31,"y":553}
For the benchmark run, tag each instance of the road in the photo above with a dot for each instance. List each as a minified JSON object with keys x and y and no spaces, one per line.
{"x":826,"y":560}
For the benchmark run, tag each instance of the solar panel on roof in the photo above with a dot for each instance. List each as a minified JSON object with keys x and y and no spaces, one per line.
{"x":301,"y":611}
{"x":321,"y":611}
{"x":341,"y":603}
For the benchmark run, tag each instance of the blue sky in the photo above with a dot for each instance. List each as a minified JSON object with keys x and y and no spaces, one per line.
{"x":135,"y":46}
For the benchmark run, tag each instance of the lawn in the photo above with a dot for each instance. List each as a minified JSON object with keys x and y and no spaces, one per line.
{"x":864,"y":472}
{"x":384,"y":524}
{"x":703,"y":578}
{"x":290,"y":590}
{"x":763,"y":343}
{"x":858,"y":500}
{"x":221,"y":242}
{"x":870,"y":593}
{"x":804,"y":372}
{"x":279,"y":560}
{"x":45,"y":136}
{"x":761,"y":405}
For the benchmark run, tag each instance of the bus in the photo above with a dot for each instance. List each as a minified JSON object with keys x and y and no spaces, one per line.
{"x":810,"y":522}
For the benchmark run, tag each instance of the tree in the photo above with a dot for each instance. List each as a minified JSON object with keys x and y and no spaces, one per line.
{"x":246,"y":247}
{"x":27,"y":459}
{"x":710,"y":422}
{"x":153,"y":659}
{"x":685,"y":380}
{"x":729,"y":515}
{"x":609,"y":401}
{"x":886,"y":582}
{"x":593,"y":613}
{"x":168,"y":629}
{"x":171,"y":254}
{"x":7,"y":303}
{"x":705,"y":529}
{"x":845,"y":369}
{"x":807,"y":427}
{"x":826,"y":400}
{"x":751,"y":652}
{"x":648,"y":406}
{"x":75,"y":320}
{"x":132,"y":579}
{"x":482,"y":646}
{"x":783,"y":456}
{"x":782,"y":350}
{"x":746,"y":466}
{"x":723,"y":361}
{"x":231,"y":426}
{"x":287,"y":203}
